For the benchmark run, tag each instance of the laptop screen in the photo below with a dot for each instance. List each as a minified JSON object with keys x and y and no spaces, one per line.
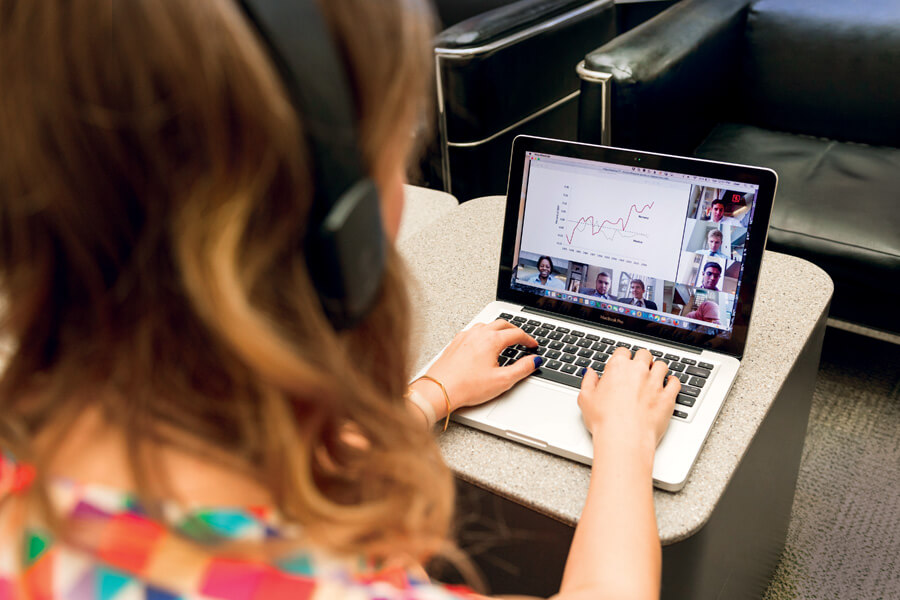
{"x":636,"y":239}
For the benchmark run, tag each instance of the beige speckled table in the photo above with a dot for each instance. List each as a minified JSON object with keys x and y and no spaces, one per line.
{"x":724,"y":531}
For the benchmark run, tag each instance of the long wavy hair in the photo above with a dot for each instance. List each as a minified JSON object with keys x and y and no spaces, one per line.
{"x":154,"y":191}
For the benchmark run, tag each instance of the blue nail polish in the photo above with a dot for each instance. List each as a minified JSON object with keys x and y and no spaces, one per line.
{"x":583,"y":371}
{"x":537,"y":361}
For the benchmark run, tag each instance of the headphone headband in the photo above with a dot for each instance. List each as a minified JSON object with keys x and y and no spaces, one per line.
{"x":345,"y":242}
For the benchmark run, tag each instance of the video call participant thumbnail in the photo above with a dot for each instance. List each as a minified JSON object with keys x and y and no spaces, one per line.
{"x":637,"y":293}
{"x":601,"y":287}
{"x":713,"y":244}
{"x":707,"y":311}
{"x":545,"y":277}
{"x":717,"y":214}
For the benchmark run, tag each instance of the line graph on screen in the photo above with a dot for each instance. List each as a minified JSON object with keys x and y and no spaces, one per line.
{"x":608,"y":228}
{"x":635,"y":227}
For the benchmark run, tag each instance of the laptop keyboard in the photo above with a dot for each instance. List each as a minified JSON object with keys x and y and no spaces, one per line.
{"x":568,"y":351}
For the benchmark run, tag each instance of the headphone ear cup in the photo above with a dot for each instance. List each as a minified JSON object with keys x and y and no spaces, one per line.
{"x":346,"y":256}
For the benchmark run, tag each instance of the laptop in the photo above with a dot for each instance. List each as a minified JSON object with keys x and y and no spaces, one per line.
{"x":605,"y":247}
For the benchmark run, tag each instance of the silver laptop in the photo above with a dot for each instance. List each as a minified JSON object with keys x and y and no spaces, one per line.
{"x":604,"y":247}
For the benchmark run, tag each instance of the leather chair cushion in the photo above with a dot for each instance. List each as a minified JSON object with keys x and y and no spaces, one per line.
{"x":837,"y":204}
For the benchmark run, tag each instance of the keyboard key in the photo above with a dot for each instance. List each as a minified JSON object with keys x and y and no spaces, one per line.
{"x":505,"y":316}
{"x":549,"y":326}
{"x":528,"y":328}
{"x":706,"y":365}
{"x":556,"y":345}
{"x":558,"y":377}
{"x":585,"y":353}
{"x":510,"y":352}
{"x":662,"y":360}
{"x":690,"y":390}
{"x":601,"y":356}
{"x":636,"y":348}
{"x":583,"y":362}
{"x":554,"y":354}
{"x":540,"y":351}
{"x":578,"y":333}
{"x":541,"y":332}
{"x":570,"y":339}
{"x":678,"y":367}
{"x":592,"y":337}
{"x":571,"y":348}
{"x":520,"y":320}
{"x":672,"y":357}
{"x":568,"y":368}
{"x":697,"y":381}
{"x":656,"y":353}
{"x":598,"y":366}
{"x":520,"y":347}
{"x":567,"y":358}
{"x":599,"y":347}
{"x":502,"y":361}
{"x":684,"y":377}
{"x":585,"y":343}
{"x":535,"y":323}
{"x":563,"y":329}
{"x":680,"y":414}
{"x":553,"y":364}
{"x":685,"y":400}
{"x":689,"y":361}
{"x":704,"y":373}
{"x":542,"y":341}
{"x":623,"y":345}
{"x":555,"y":335}
{"x":608,"y":341}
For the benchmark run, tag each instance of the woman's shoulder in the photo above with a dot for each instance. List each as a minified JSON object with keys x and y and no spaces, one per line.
{"x":115,"y":549}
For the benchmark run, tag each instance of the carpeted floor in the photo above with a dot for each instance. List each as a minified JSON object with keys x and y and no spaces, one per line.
{"x":844,"y":537}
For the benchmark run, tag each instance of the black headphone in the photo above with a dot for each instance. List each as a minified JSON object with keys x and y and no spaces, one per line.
{"x":345,"y":244}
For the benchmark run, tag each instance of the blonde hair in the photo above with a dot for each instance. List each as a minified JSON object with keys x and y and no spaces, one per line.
{"x":153,"y":200}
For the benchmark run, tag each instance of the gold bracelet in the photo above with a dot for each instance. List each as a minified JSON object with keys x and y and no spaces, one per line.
{"x":446,"y":397}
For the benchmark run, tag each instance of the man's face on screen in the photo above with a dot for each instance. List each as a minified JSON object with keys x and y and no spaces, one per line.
{"x":711,"y":278}
{"x":602,"y":283}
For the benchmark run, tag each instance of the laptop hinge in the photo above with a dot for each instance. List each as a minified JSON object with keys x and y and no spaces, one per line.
{"x":594,"y":325}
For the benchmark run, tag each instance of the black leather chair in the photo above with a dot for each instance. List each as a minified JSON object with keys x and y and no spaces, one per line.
{"x":809,"y":89}
{"x":508,"y":71}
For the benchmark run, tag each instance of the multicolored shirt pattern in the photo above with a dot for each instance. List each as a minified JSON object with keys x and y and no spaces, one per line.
{"x":134,"y":557}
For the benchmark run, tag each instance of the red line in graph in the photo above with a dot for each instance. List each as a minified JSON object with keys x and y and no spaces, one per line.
{"x":595,"y":229}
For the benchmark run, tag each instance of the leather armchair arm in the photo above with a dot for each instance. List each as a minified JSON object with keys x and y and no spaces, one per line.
{"x":502,"y":68}
{"x":501,"y":22}
{"x":666,"y":77}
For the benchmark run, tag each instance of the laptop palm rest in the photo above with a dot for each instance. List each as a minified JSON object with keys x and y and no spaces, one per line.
{"x":538,"y":414}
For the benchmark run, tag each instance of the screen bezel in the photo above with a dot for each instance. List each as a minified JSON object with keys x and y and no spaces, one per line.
{"x":757,"y":233}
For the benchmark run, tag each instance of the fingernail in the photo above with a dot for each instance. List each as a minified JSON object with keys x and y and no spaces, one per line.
{"x":537,"y":361}
{"x":583,"y":372}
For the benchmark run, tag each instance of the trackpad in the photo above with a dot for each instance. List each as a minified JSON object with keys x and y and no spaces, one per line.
{"x":545,"y":413}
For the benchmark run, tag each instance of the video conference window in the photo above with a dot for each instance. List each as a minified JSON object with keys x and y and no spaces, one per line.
{"x":659,"y":242}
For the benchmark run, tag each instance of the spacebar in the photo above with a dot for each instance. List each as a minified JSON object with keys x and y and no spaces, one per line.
{"x":558,"y":377}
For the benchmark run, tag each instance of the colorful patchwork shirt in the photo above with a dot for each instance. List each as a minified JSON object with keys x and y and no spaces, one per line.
{"x":132,"y":556}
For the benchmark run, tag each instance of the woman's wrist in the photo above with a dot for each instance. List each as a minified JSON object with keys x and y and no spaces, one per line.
{"x":430,"y":394}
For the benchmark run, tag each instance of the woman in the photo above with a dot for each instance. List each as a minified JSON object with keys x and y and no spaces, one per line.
{"x":177,"y":414}
{"x":545,"y":276}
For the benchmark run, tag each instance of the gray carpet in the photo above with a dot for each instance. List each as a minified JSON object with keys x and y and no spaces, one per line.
{"x":844,"y":536}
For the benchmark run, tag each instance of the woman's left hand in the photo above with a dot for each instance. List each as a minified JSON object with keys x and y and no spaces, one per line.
{"x":468,"y":366}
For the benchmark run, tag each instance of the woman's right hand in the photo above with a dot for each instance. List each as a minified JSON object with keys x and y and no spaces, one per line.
{"x":630,"y":398}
